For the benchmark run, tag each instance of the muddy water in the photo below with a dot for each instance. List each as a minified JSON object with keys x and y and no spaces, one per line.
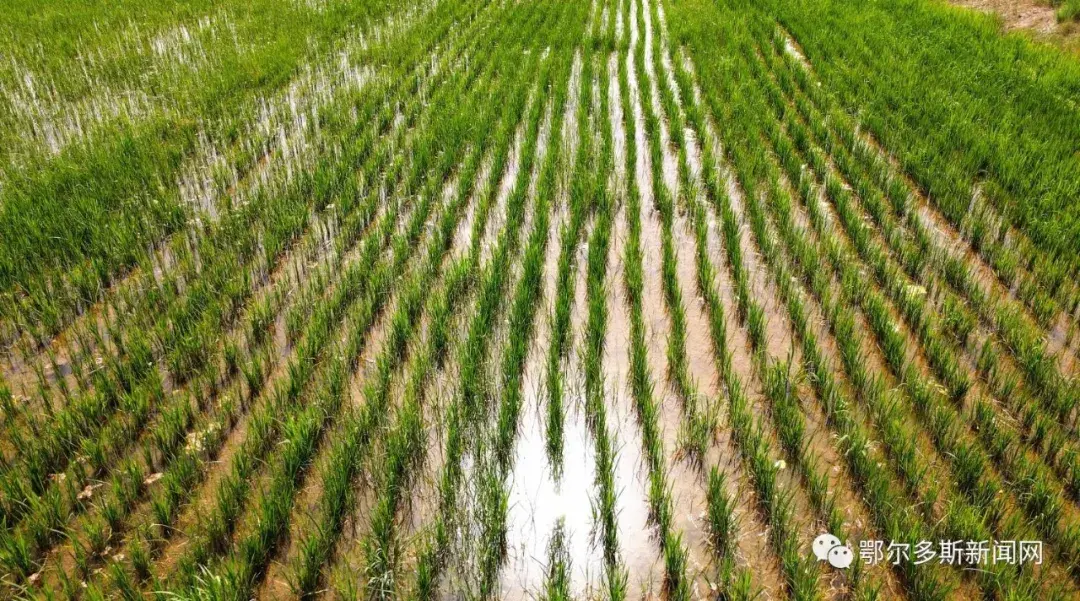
{"x":637,"y":545}
{"x":670,"y":161}
{"x":538,"y":501}
{"x":497,"y":217}
{"x":753,"y":549}
{"x":687,"y":497}
{"x":619,"y":26}
{"x":815,"y":430}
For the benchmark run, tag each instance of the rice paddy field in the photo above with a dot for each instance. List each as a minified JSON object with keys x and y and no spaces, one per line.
{"x":535,"y":299}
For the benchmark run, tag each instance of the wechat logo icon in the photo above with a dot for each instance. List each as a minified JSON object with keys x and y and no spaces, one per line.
{"x":829,"y":548}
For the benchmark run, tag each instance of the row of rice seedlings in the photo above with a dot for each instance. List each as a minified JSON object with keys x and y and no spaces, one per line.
{"x":677,"y":584}
{"x":597,"y":293}
{"x":356,"y":283}
{"x":180,"y":478}
{"x":790,"y":422}
{"x":202,"y":435}
{"x":356,"y":432}
{"x":570,"y":235}
{"x":492,"y":471}
{"x":1024,"y":340}
{"x":974,"y":227}
{"x":137,"y":299}
{"x":801,"y":576}
{"x":737,"y":582}
{"x":166,"y":423}
{"x":1045,"y":511}
{"x":49,"y":389}
{"x":594,"y":191}
{"x":191,"y":425}
{"x":41,"y":518}
{"x":145,"y":164}
{"x":465,"y":409}
{"x":376,"y":298}
{"x":338,"y":497}
{"x":947,"y":159}
{"x":974,"y":474}
{"x":777,"y":378}
{"x":941,"y":356}
{"x":522,"y":318}
{"x":868,"y":472}
{"x":559,"y":566}
{"x":1040,"y":427}
{"x":752,"y":437}
{"x":387,"y":232}
{"x":255,"y":550}
{"x":898,"y":442}
{"x":697,"y":427}
{"x":974,"y":487}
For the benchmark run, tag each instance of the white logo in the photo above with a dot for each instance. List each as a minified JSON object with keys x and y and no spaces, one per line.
{"x":829,"y":548}
{"x":841,"y":557}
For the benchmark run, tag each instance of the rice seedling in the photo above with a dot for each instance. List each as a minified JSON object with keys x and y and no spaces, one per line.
{"x":471,"y":403}
{"x":271,"y":275}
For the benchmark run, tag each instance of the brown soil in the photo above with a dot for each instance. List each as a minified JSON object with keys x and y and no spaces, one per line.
{"x":1031,"y":15}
